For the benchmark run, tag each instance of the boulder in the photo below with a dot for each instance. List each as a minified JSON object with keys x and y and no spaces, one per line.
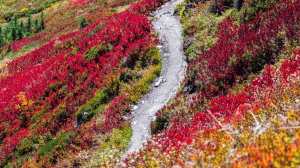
{"x":188,"y":87}
{"x":187,"y":43}
{"x":188,"y":7}
{"x":177,"y":10}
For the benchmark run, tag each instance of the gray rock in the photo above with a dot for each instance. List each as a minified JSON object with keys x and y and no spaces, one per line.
{"x":176,"y":11}
{"x":187,"y":43}
{"x":188,"y":7}
{"x":188,"y":87}
{"x":160,"y":79}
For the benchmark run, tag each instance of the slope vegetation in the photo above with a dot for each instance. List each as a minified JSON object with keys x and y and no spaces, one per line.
{"x":65,"y":100}
{"x":239,"y":104}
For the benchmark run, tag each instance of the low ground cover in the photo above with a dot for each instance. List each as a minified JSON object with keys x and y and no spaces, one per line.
{"x":100,"y":69}
{"x":238,"y":104}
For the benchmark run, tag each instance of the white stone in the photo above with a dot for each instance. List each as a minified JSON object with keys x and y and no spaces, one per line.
{"x":134,"y":107}
{"x":160,"y":79}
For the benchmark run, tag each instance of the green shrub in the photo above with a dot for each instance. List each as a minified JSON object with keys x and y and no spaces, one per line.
{"x":2,"y":56}
{"x":118,"y":137}
{"x":9,"y":48}
{"x":158,"y":125}
{"x":155,"y":56}
{"x":8,"y":16}
{"x":95,"y":105}
{"x":186,"y":29}
{"x":47,"y":148}
{"x":113,"y":144}
{"x":254,"y":7}
{"x":113,"y":88}
{"x":27,"y":146}
{"x":83,"y":23}
{"x":84,"y":76}
{"x":190,"y":52}
{"x":142,"y":87}
{"x":94,"y":51}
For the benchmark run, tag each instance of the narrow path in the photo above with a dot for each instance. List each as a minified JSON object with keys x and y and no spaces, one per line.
{"x":173,"y":69}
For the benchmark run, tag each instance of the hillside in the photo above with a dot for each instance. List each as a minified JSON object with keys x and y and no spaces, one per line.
{"x":70,"y":72}
{"x":65,"y":89}
{"x":238,"y":106}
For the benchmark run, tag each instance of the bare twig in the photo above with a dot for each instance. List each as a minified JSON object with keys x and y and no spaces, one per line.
{"x":221,"y":125}
{"x":256,"y":121}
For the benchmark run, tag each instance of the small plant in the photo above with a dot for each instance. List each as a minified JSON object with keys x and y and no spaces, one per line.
{"x":83,"y":23}
{"x":2,"y":56}
{"x":28,"y":24}
{"x":97,"y":51}
{"x":49,"y":146}
{"x":9,"y":48}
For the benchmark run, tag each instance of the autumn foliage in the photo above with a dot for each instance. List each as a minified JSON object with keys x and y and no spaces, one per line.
{"x":254,"y":127}
{"x":43,"y":89}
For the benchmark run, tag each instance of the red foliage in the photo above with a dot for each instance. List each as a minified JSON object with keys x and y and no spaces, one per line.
{"x":245,"y":49}
{"x":145,"y":7}
{"x":113,"y":114}
{"x":19,"y":44}
{"x":223,"y":110}
{"x":54,"y":81}
{"x":238,"y":52}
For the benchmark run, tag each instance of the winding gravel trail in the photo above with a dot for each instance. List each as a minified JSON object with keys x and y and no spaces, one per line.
{"x":173,"y":69}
